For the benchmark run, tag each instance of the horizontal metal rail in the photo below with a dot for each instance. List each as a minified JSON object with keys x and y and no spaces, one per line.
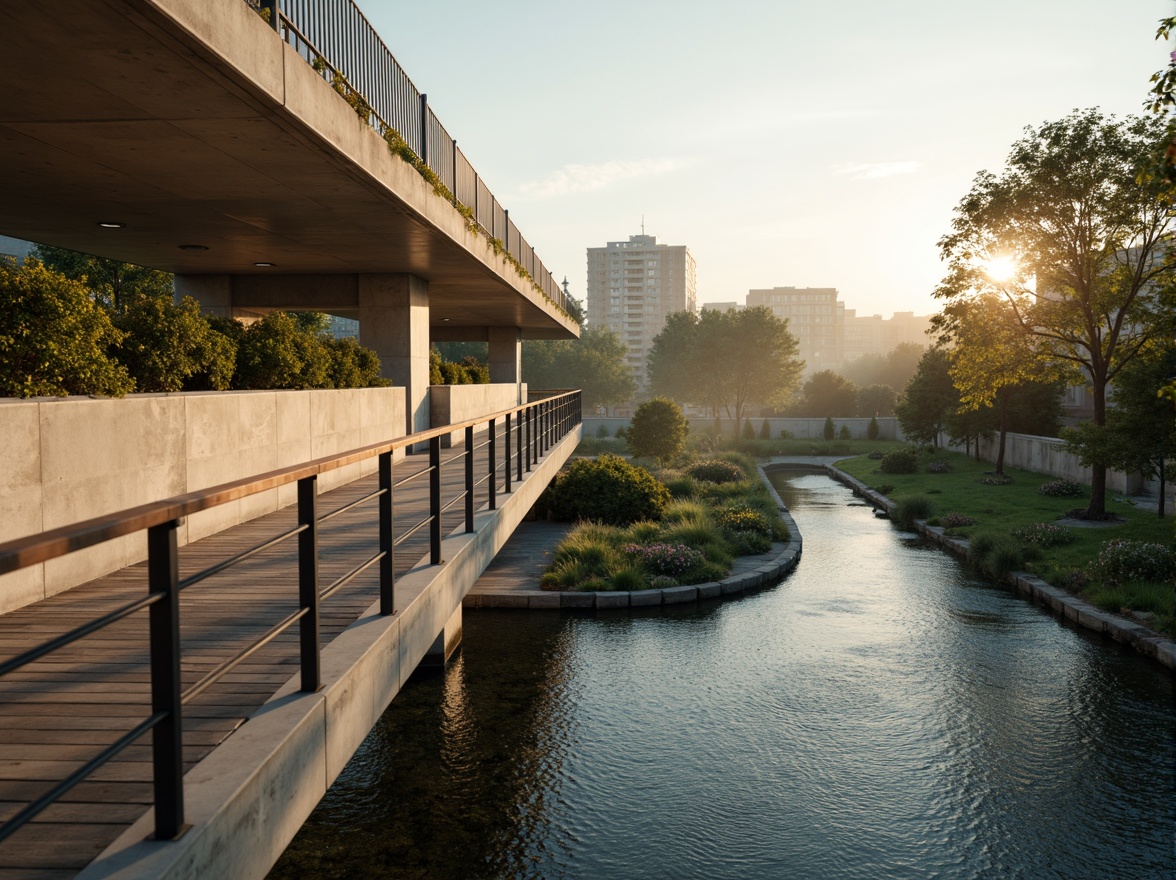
{"x":536,"y":426}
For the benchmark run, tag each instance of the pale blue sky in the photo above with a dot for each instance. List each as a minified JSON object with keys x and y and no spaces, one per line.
{"x":810,"y":144}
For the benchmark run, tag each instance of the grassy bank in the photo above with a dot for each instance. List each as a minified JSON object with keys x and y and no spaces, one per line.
{"x":1014,"y":526}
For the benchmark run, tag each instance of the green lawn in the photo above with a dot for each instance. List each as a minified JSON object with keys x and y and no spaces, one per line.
{"x":1000,"y":510}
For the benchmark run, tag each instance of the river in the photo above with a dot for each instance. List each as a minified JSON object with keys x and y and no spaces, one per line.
{"x":881,"y":713}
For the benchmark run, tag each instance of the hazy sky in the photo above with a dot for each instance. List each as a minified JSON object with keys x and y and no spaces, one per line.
{"x":811,"y":144}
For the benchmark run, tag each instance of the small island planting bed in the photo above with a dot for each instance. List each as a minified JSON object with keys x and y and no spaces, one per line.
{"x":1014,"y":527}
{"x":650,"y":536}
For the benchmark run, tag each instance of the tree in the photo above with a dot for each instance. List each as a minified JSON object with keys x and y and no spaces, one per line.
{"x":875,"y":400}
{"x":829,"y":428}
{"x":827,"y":394}
{"x":116,"y":284}
{"x":594,"y":363}
{"x":170,"y":346}
{"x":894,"y":368}
{"x":993,"y":357}
{"x":1076,"y":246}
{"x":657,"y":429}
{"x":725,"y":360}
{"x":276,"y":352}
{"x":54,"y":337}
{"x":929,"y":398}
{"x":1140,"y":433}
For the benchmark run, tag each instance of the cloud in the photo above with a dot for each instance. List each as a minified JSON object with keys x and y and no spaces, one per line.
{"x":586,"y":178}
{"x":875,"y":170}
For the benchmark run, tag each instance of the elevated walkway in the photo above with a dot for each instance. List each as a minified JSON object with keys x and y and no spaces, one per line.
{"x":259,"y":747}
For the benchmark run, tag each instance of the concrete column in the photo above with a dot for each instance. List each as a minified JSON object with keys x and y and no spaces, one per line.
{"x":446,"y":643}
{"x":506,"y":356}
{"x":394,"y":322}
{"x":213,"y":292}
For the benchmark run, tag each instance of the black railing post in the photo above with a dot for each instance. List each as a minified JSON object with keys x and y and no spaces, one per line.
{"x":308,"y":586}
{"x":493,"y":478}
{"x":425,"y":129}
{"x":469,"y":478}
{"x":519,"y":444}
{"x":167,"y":755}
{"x":506,"y":445}
{"x":530,"y":418}
{"x":387,"y":547}
{"x":435,"y":500}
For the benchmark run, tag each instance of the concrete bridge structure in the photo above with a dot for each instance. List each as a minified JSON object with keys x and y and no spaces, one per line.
{"x":222,"y":142}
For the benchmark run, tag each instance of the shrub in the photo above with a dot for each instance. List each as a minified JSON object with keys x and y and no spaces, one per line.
{"x":1043,"y":534}
{"x":1123,"y":561}
{"x":681,"y":487}
{"x":996,"y":480}
{"x":743,"y":519}
{"x":844,"y":434}
{"x":875,"y":456}
{"x":170,"y":346}
{"x":873,"y":431}
{"x":883,"y":488}
{"x":912,"y":507}
{"x":716,"y":471}
{"x":765,"y":430}
{"x":748,"y":431}
{"x":601,"y":431}
{"x":938,"y":467}
{"x":607,"y":489}
{"x":995,"y":554}
{"x":900,"y":461}
{"x":661,"y":582}
{"x":684,"y":511}
{"x":630,"y":579}
{"x":664,"y":558}
{"x":828,"y":429}
{"x":785,"y":434}
{"x":1062,"y":489}
{"x":658,"y":429}
{"x":746,"y":543}
{"x":956,"y":521}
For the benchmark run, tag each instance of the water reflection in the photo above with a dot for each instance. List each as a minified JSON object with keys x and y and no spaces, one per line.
{"x":879,"y":714}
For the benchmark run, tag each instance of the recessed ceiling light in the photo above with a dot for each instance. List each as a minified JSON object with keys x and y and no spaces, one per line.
{"x":444,"y":320}
{"x":193,"y":247}
{"x":110,"y":224}
{"x":264,"y":265}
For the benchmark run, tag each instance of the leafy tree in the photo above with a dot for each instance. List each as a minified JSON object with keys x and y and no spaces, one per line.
{"x":114,"y":283}
{"x":456,"y":351}
{"x":993,"y":357}
{"x":765,"y":432}
{"x":929,"y":398}
{"x":827,"y":394}
{"x":658,"y":429}
{"x":872,"y":429}
{"x":829,"y":429}
{"x":353,"y":366}
{"x":1082,"y":248}
{"x":276,"y":352}
{"x":875,"y":400}
{"x":594,"y":363}
{"x":1140,"y":433}
{"x":894,"y":368}
{"x":725,"y":360}
{"x":172,"y":347}
{"x":53,"y":336}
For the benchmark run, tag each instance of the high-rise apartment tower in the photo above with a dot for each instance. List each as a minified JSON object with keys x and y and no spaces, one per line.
{"x":633,"y":286}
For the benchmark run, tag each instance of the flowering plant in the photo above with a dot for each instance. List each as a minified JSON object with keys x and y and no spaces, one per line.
{"x":667,"y":559}
{"x":956,"y":521}
{"x":1043,"y":534}
{"x":743,"y":519}
{"x":1062,"y":489}
{"x":1122,"y":561}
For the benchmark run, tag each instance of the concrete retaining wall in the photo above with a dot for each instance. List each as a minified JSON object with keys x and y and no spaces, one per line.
{"x":70,"y":459}
{"x":801,"y":429}
{"x":449,"y":404}
{"x":1047,"y":455}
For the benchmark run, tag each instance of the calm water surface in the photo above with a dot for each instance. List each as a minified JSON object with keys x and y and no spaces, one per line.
{"x":878,"y":714}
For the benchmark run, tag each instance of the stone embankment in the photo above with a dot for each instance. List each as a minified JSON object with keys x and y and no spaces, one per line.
{"x":750,"y":573}
{"x":1142,"y":639}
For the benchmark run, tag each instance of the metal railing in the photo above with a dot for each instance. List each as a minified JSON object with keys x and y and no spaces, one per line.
{"x":335,"y":37}
{"x":535,"y":426}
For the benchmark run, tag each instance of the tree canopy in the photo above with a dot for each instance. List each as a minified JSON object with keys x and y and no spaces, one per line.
{"x":116,"y":284}
{"x":826,"y":394}
{"x":594,"y":363}
{"x":1075,"y":245}
{"x":929,"y":399}
{"x":725,"y":360}
{"x":658,"y":429}
{"x":894,"y":368}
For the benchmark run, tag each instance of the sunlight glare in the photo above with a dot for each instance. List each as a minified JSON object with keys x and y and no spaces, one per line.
{"x":1001,"y":268}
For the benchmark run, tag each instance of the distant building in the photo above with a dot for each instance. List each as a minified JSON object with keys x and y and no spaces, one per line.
{"x":873,"y":334}
{"x":633,"y":286}
{"x":724,"y":306}
{"x":815,"y":317}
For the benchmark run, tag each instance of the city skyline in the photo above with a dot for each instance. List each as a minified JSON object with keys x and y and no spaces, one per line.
{"x":835,"y":140}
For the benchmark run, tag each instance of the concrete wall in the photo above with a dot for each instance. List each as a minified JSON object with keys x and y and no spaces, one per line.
{"x":802,"y":429}
{"x":74,"y":458}
{"x":458,"y":403}
{"x":1047,"y":455}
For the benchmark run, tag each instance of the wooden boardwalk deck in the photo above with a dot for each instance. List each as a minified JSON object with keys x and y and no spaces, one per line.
{"x":58,"y":712}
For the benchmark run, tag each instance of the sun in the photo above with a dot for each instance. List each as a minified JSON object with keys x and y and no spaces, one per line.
{"x":1000,"y":268}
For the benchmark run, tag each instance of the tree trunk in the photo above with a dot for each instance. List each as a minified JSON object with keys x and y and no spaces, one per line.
{"x":1162,"y":486}
{"x":1098,"y":470}
{"x":1000,"y":449}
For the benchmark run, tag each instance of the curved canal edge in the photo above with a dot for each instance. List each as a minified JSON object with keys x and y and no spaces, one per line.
{"x":1145,"y":641}
{"x":766,"y":574}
